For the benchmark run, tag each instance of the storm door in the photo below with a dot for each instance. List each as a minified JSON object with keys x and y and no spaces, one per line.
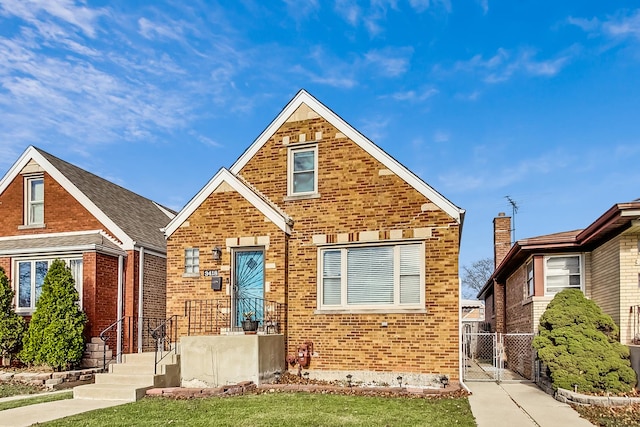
{"x":248,"y":284}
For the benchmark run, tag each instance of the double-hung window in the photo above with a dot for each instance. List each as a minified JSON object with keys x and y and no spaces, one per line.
{"x":387,"y":276}
{"x":30,"y":278}
{"x":34,"y":201}
{"x":303,"y":171}
{"x":530,"y":282}
{"x":562,"y":272}
{"x":192,"y":261}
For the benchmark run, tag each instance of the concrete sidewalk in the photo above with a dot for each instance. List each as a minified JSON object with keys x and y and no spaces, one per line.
{"x":519,"y":404}
{"x":42,"y":412}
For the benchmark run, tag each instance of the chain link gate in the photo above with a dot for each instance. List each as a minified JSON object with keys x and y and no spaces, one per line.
{"x":497,"y":357}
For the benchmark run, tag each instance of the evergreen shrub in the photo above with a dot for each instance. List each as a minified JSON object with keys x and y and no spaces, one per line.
{"x":55,"y":333}
{"x":579,"y":344}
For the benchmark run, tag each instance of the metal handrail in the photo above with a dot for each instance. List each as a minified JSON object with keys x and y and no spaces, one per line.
{"x":162,"y":338}
{"x":104,"y":337}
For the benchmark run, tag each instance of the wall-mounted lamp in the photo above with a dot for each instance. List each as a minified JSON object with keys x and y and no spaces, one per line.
{"x":217,"y":253}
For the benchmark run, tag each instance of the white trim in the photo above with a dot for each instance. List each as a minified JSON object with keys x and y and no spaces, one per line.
{"x":32,"y":153}
{"x":27,"y":221}
{"x":567,"y":255}
{"x":61,"y":250}
{"x":224,"y":175}
{"x":303,"y":97}
{"x":62,"y":234}
{"x":49,"y":258}
{"x":344,"y":306}
{"x":290,"y":170}
{"x":171,"y":215}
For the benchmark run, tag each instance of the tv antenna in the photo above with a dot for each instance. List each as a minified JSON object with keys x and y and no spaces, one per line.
{"x":514,"y":210}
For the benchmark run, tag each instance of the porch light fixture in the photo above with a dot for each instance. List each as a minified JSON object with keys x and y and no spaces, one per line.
{"x":444,"y":380}
{"x":217,"y":253}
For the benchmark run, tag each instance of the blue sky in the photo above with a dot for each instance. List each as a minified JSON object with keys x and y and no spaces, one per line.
{"x":536,"y":100}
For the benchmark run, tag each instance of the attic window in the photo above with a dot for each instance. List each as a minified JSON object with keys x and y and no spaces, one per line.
{"x":303,"y":171}
{"x":34,"y":200}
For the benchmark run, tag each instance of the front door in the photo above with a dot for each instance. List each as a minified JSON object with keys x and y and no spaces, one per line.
{"x":248,"y":280}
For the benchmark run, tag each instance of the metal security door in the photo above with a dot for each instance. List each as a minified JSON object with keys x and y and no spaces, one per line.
{"x":248,"y":295}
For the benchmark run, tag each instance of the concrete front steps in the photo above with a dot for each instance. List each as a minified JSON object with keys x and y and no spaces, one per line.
{"x":131,"y":379}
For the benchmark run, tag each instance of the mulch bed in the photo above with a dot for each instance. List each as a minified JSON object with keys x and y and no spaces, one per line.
{"x":610,"y":416}
{"x":293,"y":383}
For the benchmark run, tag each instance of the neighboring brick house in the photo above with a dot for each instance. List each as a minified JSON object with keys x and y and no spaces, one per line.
{"x":110,"y":237}
{"x":363,"y":252}
{"x":602,"y":260}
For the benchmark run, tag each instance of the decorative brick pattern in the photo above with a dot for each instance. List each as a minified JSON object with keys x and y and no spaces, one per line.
{"x":354,"y":198}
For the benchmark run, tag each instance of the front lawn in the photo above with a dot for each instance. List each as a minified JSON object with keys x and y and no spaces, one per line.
{"x":45,"y":397}
{"x":15,"y":389}
{"x":282,"y":410}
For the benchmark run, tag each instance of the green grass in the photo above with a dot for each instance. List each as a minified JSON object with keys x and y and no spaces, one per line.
{"x":15,"y":389}
{"x":33,"y":400}
{"x":281,"y":410}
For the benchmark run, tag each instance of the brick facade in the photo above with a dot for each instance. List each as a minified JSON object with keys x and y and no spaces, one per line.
{"x":64,"y":214}
{"x":359,"y":198}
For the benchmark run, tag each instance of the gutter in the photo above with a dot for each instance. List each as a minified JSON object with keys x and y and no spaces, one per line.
{"x":140,"y":297}
{"x":460,"y":343}
{"x":120,"y":307}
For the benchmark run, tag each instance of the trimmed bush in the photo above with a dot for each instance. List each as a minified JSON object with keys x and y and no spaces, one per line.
{"x":579,"y":344}
{"x":11,"y":324}
{"x":54,"y":336}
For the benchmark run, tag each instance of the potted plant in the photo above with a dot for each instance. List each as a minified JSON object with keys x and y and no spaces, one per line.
{"x":249,"y":326}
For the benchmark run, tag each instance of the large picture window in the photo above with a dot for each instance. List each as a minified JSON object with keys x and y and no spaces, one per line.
{"x":562,"y":272}
{"x":31,"y":273}
{"x":389,"y":276}
{"x":303,"y":171}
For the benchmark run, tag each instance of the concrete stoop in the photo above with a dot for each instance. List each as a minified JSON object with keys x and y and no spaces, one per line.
{"x":131,"y":379}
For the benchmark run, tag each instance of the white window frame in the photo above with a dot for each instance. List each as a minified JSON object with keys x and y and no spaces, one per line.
{"x":344,"y":306}
{"x":546,"y":273}
{"x":192,"y":261}
{"x":49,"y":259}
{"x":530,"y":282}
{"x":290,"y":170}
{"x":29,"y":203}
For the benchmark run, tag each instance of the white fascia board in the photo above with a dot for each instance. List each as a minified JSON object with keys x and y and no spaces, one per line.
{"x":224,"y":175}
{"x":349,"y":131}
{"x":32,"y":153}
{"x":62,"y":234}
{"x":61,"y":250}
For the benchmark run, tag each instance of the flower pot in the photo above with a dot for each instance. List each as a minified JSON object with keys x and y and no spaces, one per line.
{"x":249,"y":326}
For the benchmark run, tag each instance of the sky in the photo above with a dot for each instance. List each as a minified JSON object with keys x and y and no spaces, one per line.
{"x":533,"y":101}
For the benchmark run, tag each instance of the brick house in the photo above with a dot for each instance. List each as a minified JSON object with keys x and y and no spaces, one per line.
{"x":602,"y":260}
{"x":108,"y":236}
{"x":359,"y":253}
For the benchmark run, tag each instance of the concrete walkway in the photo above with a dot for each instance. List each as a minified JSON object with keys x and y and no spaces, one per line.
{"x":42,"y":412}
{"x":519,"y":404}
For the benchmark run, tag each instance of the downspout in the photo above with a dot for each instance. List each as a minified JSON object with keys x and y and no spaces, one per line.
{"x":119,"y":314}
{"x":460,"y":339}
{"x":140,"y":297}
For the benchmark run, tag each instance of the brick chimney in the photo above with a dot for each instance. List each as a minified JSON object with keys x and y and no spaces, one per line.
{"x":501,"y":238}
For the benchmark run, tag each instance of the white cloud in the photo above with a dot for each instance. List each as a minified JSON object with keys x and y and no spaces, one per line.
{"x":65,"y":10}
{"x":349,"y":11}
{"x":441,"y":136}
{"x":422,"y":5}
{"x":484,"y":4}
{"x":624,"y":24}
{"x":391,"y":62}
{"x":415,"y":96}
{"x":505,"y":64}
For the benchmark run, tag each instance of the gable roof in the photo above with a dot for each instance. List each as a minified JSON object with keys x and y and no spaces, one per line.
{"x":619,"y":218}
{"x":303,"y":97}
{"x":258,"y":200}
{"x":134,"y":220}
